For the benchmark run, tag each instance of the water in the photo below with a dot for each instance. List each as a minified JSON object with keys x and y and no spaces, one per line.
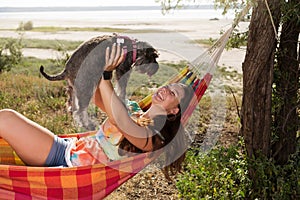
{"x":120,"y":15}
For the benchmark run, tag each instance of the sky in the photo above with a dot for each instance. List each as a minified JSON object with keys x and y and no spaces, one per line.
{"x":46,"y":3}
{"x":38,"y":3}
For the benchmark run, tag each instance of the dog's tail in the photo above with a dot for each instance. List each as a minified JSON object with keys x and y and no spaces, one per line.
{"x":57,"y":77}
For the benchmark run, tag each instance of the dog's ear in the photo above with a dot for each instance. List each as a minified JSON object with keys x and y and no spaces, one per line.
{"x":151,"y":53}
{"x":156,"y":54}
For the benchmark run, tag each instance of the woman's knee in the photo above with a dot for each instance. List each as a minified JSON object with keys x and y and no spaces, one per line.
{"x":5,"y":116}
{"x":7,"y":112}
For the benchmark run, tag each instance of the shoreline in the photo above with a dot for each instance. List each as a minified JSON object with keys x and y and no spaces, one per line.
{"x":172,"y":35}
{"x":195,"y":28}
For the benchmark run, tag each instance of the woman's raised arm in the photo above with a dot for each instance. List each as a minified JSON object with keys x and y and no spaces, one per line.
{"x":116,"y":110}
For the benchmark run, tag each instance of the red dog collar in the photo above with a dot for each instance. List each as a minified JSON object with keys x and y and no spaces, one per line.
{"x":120,"y":39}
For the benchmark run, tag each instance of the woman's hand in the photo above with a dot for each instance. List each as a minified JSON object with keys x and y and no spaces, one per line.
{"x":113,"y":60}
{"x":116,"y":110}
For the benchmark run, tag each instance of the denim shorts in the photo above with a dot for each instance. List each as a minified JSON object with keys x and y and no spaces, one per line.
{"x":56,"y":156}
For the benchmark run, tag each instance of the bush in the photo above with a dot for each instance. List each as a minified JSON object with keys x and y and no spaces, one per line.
{"x":223,"y":174}
{"x":220,"y":174}
{"x":25,"y":26}
{"x":38,"y":99}
{"x":272,"y":181}
{"x":10,"y":54}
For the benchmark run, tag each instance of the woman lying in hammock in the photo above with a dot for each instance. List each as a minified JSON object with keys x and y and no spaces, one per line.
{"x":122,"y":134}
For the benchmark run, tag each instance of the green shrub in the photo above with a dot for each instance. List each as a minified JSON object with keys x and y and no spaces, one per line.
{"x":223,"y":174}
{"x":64,"y":55}
{"x":220,"y":174}
{"x":272,"y":181}
{"x":27,"y":26}
{"x":10,"y":54}
{"x":38,"y":99}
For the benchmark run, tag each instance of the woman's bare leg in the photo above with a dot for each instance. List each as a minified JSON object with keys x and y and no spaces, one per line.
{"x":31,"y":141}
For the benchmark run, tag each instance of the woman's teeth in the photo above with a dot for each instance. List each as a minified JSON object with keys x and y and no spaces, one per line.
{"x":160,"y":96}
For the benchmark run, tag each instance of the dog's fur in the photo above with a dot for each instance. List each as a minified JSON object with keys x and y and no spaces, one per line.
{"x":84,"y":69}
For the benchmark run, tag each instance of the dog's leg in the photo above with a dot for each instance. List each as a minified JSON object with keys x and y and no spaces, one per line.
{"x":122,"y":81}
{"x":69,"y":92}
{"x":84,"y":94}
{"x":83,"y":120}
{"x":75,"y":110}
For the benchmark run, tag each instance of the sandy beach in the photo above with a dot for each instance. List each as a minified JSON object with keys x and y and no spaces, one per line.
{"x":171,"y":37}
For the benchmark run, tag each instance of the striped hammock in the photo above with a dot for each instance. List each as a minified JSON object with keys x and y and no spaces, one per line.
{"x":88,"y":182}
{"x":18,"y":181}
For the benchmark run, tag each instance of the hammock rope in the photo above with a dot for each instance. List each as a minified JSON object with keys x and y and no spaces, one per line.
{"x":99,"y":180}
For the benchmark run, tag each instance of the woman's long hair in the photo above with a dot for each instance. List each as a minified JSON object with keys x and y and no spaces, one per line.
{"x":174,"y":143}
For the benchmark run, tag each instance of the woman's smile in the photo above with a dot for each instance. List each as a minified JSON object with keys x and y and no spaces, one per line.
{"x":168,"y":95}
{"x":160,"y":95}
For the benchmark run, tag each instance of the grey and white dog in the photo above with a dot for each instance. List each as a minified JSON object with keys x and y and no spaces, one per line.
{"x":84,"y":69}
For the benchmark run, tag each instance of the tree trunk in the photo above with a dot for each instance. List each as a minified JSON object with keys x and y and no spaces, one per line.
{"x":258,"y":78}
{"x":287,"y":85}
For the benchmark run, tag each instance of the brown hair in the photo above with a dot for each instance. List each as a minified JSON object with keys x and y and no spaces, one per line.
{"x":173,"y":132}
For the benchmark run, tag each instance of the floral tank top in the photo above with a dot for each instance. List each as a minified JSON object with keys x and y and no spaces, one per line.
{"x":99,"y":148}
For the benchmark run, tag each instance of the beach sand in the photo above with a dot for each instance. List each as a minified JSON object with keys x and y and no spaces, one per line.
{"x":171,"y":38}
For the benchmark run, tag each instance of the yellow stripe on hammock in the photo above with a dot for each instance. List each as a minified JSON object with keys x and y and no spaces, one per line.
{"x":8,"y":155}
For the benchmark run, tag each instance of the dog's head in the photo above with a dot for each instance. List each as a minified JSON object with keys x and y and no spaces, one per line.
{"x":146,"y":59}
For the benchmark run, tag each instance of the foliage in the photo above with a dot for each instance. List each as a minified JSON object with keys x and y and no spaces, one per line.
{"x":27,"y":26}
{"x":168,"y":5}
{"x":205,"y":42}
{"x":237,"y":39}
{"x":218,"y":174}
{"x":290,"y":11}
{"x":286,"y":81}
{"x":38,"y":99}
{"x":63,"y":58}
{"x":230,"y":4}
{"x":223,"y":174}
{"x":30,"y":66}
{"x":274,"y":181}
{"x":10,"y":54}
{"x":12,"y":58}
{"x":45,"y":44}
{"x":226,"y":5}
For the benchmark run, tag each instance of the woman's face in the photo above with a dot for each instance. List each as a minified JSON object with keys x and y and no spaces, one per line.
{"x":169,"y":97}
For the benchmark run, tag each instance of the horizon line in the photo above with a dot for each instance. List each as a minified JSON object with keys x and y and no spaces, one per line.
{"x":93,"y":8}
